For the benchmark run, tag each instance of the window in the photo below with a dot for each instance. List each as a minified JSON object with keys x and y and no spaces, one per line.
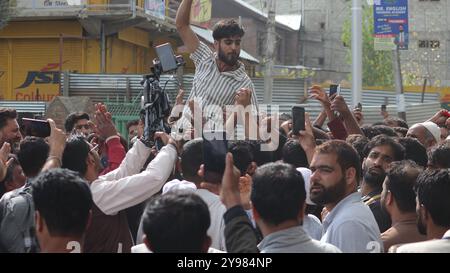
{"x":321,"y":61}
{"x":322,"y":26}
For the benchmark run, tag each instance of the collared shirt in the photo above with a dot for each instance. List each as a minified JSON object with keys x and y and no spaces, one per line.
{"x":211,"y":87}
{"x":351,"y":226}
{"x":294,"y":240}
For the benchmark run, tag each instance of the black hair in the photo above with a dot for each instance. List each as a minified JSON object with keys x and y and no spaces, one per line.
{"x":63,"y":200}
{"x":5,"y":115}
{"x":294,"y":154}
{"x":191,"y":159}
{"x":72,"y":118}
{"x":347,"y":157}
{"x":381,"y":140}
{"x":75,"y":154}
{"x":433,"y":190}
{"x":398,"y":122}
{"x":401,"y":180}
{"x":358,"y":142}
{"x":439,"y":156}
{"x":278,"y":192}
{"x":132,"y":123}
{"x":226,"y":29}
{"x":375,"y":130}
{"x":414,"y":150}
{"x":401,"y":130}
{"x":242,"y":155}
{"x":32,"y":155}
{"x":9,"y":176}
{"x":176,"y":222}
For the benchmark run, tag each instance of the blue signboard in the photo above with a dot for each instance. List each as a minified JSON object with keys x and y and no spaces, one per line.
{"x":391,"y":24}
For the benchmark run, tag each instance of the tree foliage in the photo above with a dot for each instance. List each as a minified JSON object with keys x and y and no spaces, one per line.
{"x":377,"y":65}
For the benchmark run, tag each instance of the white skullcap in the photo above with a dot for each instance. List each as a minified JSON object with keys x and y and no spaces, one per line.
{"x":306,"y":173}
{"x":433,"y":129}
{"x":178,"y":185}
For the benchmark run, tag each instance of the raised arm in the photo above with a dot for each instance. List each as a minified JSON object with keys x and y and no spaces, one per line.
{"x":188,"y":36}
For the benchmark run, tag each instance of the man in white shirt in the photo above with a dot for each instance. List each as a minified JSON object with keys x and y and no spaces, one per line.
{"x":349,"y":224}
{"x":122,"y":188}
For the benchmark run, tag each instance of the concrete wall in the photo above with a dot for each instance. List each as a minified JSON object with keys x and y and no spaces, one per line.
{"x":428,"y":21}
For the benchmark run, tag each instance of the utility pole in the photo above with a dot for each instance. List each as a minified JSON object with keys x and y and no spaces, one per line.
{"x":398,"y":84}
{"x":356,"y":51}
{"x":270,"y":50}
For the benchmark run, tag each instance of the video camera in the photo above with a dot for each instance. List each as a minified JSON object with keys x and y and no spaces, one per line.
{"x":156,"y":101}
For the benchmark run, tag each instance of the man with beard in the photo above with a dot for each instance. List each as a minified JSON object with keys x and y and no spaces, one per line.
{"x":220,"y":78}
{"x":9,"y":128}
{"x":398,"y":199}
{"x":349,"y":224}
{"x":433,"y":212}
{"x":380,"y":152}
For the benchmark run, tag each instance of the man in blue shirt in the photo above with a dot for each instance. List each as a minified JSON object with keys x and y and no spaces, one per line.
{"x":349,"y":223}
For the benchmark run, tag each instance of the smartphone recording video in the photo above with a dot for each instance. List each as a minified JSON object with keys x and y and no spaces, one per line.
{"x":166,"y":57}
{"x":334,"y":89}
{"x":298,"y":119}
{"x":36,"y":127}
{"x":215,"y":147}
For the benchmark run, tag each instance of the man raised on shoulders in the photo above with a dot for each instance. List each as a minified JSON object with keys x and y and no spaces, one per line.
{"x":220,"y":78}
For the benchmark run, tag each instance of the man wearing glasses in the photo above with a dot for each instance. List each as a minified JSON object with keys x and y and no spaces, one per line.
{"x":78,"y":123}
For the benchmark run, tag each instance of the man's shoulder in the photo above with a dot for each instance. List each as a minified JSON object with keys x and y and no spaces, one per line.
{"x":430,"y":246}
{"x":325,"y":247}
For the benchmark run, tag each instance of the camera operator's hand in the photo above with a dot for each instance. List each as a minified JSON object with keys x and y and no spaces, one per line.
{"x":166,"y":139}
{"x":243,"y":97}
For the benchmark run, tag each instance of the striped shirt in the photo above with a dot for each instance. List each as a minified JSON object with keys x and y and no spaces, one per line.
{"x":212,"y":89}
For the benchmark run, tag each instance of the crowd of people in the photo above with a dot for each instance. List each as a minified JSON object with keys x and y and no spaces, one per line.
{"x":339,"y":185}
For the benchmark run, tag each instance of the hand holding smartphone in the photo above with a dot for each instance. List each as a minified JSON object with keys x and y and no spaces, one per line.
{"x":298,"y":119}
{"x":36,"y":127}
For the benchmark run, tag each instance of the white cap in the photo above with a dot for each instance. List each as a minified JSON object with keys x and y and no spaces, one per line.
{"x":306,"y":173}
{"x":433,"y":129}
{"x":178,"y":185}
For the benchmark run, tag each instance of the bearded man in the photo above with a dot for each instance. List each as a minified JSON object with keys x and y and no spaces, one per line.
{"x":348,"y":224}
{"x":220,"y":78}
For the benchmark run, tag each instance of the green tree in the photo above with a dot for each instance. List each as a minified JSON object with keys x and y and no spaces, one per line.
{"x":377,"y":65}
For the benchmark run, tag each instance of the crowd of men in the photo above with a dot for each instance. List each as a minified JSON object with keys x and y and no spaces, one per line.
{"x":343,"y":186}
